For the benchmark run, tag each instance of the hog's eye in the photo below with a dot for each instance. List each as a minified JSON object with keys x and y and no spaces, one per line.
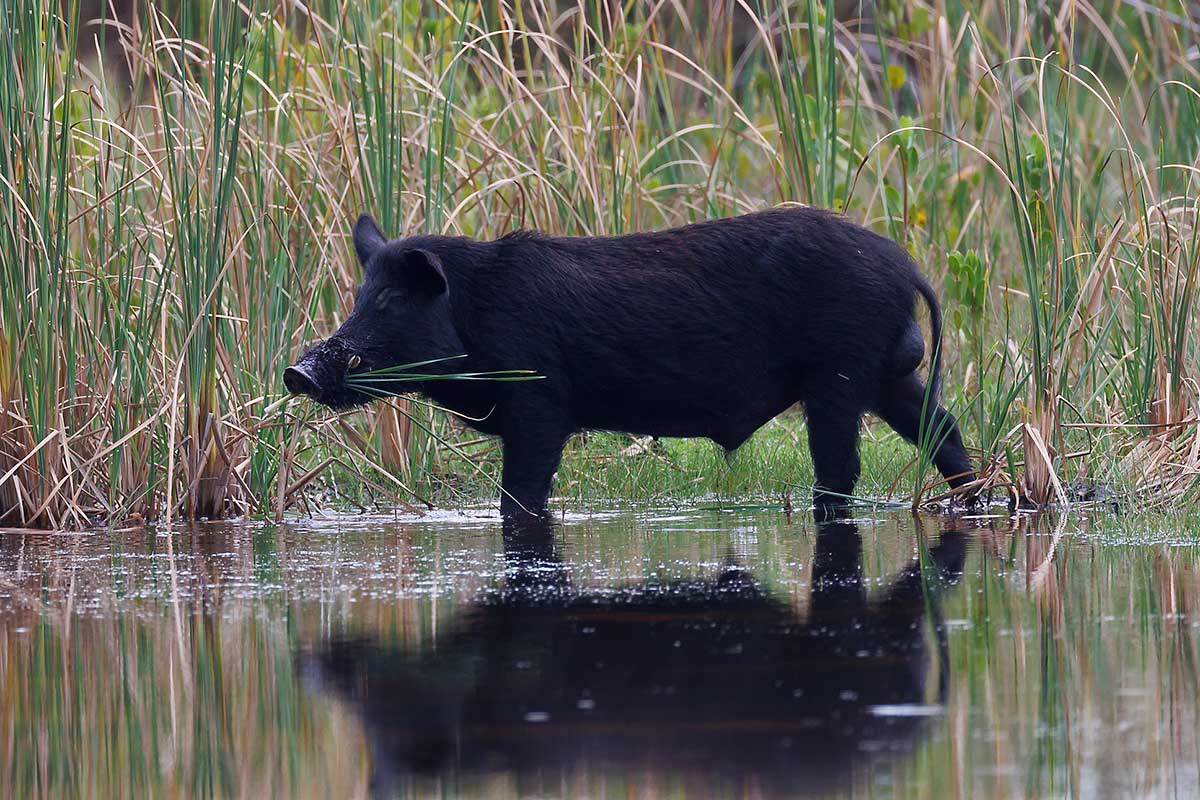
{"x":384,"y":297}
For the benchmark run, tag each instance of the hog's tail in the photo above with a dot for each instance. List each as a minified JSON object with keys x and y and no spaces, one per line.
{"x":935,"y":336}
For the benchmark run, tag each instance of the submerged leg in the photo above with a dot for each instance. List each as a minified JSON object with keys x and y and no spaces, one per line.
{"x":905,"y":407}
{"x":531,"y":560}
{"x":837,"y":591}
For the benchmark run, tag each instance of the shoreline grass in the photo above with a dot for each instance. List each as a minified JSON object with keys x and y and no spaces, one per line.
{"x":178,"y":188}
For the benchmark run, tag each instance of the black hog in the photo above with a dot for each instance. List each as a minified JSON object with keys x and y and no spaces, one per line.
{"x":706,"y":330}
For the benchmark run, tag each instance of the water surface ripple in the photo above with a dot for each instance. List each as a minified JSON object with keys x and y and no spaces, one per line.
{"x":686,"y":654}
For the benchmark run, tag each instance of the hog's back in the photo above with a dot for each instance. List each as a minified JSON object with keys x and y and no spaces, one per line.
{"x":706,"y":330}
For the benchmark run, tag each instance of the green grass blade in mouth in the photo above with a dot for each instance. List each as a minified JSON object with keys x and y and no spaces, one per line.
{"x":367,"y":379}
{"x":403,"y":368}
{"x":401,"y":372}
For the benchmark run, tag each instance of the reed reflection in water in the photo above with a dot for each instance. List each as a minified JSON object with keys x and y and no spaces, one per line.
{"x":352,"y":658}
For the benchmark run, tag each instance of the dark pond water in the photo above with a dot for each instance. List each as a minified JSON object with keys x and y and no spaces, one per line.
{"x":698,"y":654}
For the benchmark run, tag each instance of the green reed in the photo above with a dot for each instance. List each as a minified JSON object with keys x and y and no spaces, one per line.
{"x":37,"y":262}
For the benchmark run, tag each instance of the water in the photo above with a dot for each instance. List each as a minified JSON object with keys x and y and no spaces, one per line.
{"x":689,"y":654}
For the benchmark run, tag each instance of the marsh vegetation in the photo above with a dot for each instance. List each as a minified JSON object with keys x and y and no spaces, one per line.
{"x":178,"y":182}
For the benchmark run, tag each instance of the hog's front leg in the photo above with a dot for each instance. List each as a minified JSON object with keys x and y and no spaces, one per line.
{"x":529,"y":465}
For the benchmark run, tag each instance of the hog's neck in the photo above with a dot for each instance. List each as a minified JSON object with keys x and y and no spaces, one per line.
{"x":466,"y":262}
{"x":474,"y":402}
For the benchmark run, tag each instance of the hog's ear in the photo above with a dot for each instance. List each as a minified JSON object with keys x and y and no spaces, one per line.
{"x":423,"y":272}
{"x":367,"y":238}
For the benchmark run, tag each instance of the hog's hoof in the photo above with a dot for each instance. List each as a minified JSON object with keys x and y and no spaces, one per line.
{"x":830,"y":507}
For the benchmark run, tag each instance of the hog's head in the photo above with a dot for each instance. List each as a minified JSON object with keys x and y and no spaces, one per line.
{"x":401,"y":317}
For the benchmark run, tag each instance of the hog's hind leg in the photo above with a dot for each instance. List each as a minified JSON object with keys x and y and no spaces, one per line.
{"x":833,"y":442}
{"x":904,"y":405}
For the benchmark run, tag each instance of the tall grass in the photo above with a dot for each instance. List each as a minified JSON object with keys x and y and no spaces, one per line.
{"x":177,"y":200}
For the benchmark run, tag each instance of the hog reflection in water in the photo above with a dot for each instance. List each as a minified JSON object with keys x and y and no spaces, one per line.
{"x":710,"y":678}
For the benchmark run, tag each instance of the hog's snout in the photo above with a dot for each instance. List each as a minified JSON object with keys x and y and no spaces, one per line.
{"x":321,"y":375}
{"x":298,"y":380}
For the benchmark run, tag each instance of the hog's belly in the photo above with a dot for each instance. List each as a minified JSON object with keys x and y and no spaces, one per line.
{"x":726,"y":409}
